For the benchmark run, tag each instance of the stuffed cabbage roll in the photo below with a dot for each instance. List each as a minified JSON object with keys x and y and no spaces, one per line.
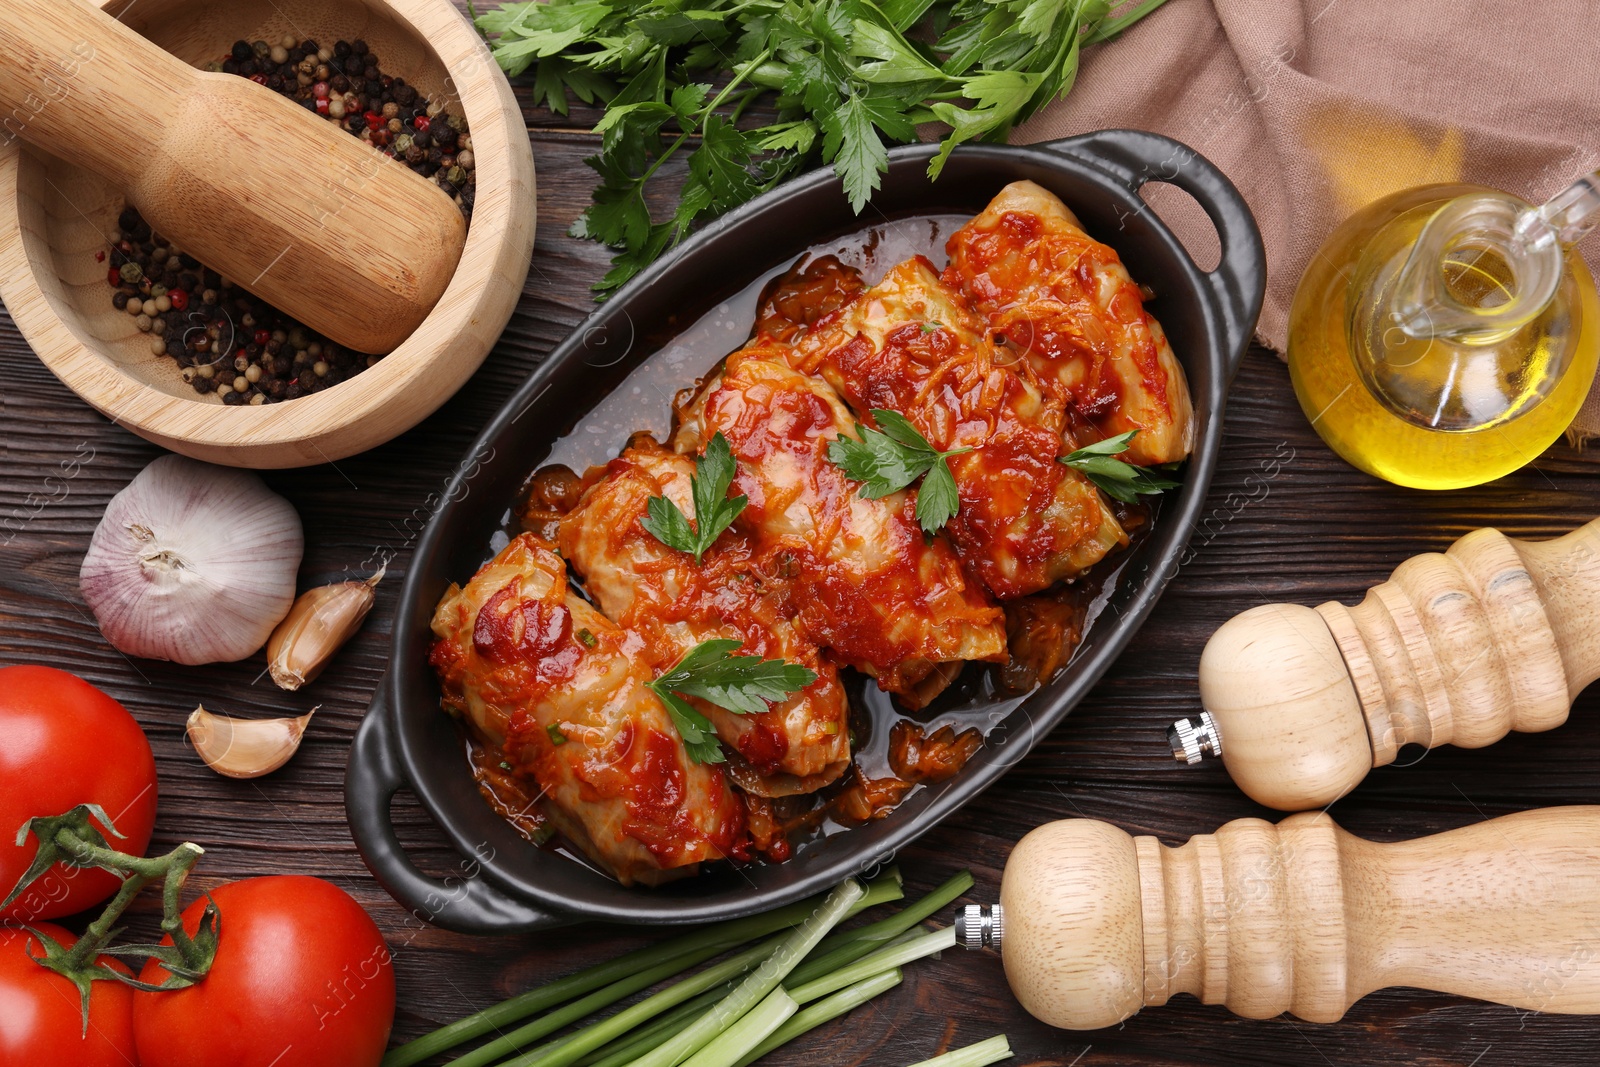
{"x":1066,"y":300}
{"x":909,"y":344}
{"x":540,"y":672}
{"x":866,"y":583}
{"x":661,"y":594}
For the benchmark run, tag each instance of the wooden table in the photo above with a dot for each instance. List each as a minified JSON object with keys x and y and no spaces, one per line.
{"x":1321,"y":531}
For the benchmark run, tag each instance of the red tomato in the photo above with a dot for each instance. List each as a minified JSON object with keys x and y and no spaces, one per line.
{"x":40,"y":1020}
{"x":65,"y":743}
{"x":302,"y":978}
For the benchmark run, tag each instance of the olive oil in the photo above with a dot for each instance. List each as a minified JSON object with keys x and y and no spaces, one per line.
{"x":1436,"y":411}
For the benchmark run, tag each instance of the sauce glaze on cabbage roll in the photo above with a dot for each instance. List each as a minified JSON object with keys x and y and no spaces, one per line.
{"x":541,"y":673}
{"x":866,"y":583}
{"x":910,"y":344}
{"x":1067,"y":302}
{"x":661,"y":594}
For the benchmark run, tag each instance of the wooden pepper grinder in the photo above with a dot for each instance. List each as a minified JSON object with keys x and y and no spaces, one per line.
{"x":1456,"y":648}
{"x":1300,"y":917}
{"x":283,"y":203}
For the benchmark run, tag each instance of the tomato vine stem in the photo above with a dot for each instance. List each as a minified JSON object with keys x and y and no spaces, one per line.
{"x":73,"y":839}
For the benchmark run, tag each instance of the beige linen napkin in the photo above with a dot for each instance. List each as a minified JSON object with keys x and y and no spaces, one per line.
{"x":1317,"y":107}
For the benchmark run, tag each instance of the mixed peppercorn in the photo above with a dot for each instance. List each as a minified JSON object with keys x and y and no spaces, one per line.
{"x":227,"y":341}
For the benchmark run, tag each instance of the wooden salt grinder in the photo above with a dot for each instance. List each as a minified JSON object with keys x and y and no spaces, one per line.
{"x":300,"y":213}
{"x":1300,"y":917}
{"x":1456,"y":648}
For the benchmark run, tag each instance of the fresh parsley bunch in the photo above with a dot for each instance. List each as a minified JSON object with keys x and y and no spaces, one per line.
{"x":842,"y":78}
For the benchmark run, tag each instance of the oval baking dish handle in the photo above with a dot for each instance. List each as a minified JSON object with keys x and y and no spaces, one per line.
{"x":1138,"y":157}
{"x":468,"y":905}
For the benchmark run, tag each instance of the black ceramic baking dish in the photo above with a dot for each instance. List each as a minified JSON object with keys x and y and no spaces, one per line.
{"x":505,"y":884}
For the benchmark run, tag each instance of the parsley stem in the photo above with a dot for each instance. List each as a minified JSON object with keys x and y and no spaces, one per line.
{"x":738,"y":78}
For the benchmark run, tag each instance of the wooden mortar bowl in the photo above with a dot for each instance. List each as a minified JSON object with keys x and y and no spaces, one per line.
{"x":55,"y":217}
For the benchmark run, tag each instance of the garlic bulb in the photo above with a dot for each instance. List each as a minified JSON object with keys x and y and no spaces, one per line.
{"x":245,"y":748}
{"x":192,"y":563}
{"x":318,"y":625}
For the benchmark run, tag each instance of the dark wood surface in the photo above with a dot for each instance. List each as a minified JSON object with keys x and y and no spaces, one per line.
{"x":1322,"y":531}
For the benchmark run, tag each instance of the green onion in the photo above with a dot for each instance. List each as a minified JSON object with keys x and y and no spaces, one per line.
{"x":522,"y":1037}
{"x":900,"y":951}
{"x":626,"y":1049}
{"x":730,"y":934}
{"x":758,"y":1023}
{"x":982,"y":1054}
{"x":758,"y":985}
{"x":825,"y":1010}
{"x":847,"y":947}
{"x":622,"y":1023}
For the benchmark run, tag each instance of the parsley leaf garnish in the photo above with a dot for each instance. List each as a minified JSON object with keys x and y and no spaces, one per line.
{"x":1116,"y":478}
{"x":890,"y":458}
{"x":714,"y":510}
{"x":744,"y":685}
{"x":837,"y":81}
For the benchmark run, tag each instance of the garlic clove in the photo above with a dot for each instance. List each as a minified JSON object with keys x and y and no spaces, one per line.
{"x":318,"y":625}
{"x":245,"y":748}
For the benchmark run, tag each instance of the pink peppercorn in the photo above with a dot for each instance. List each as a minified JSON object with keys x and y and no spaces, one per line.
{"x":376,"y":121}
{"x":320,"y":90}
{"x":179,"y":298}
{"x":100,"y":257}
{"x":259,"y":79}
{"x":421,"y":123}
{"x":115,"y":276}
{"x":263,"y":337}
{"x":322,"y":105}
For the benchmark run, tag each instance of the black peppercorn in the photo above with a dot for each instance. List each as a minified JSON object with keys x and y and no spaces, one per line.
{"x":189,"y":263}
{"x":242,"y":51}
{"x":292,"y":391}
{"x":233,"y":399}
{"x":230,"y":66}
{"x":359,"y":47}
{"x":341,"y":48}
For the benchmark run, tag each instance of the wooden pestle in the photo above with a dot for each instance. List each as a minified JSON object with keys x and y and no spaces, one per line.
{"x":1299,"y":917}
{"x":282,"y":202}
{"x":1456,"y":648}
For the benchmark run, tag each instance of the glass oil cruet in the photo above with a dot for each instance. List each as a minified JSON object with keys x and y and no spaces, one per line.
{"x":1446,"y":335}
